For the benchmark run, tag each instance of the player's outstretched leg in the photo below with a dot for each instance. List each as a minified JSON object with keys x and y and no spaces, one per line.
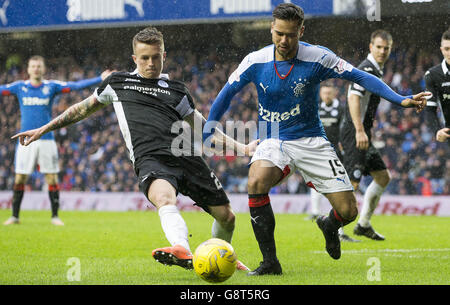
{"x":163,"y":196}
{"x":176,"y":233}
{"x":176,"y":255}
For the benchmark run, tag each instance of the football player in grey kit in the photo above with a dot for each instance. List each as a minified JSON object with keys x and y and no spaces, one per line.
{"x":147,"y":105}
{"x":437,"y":80}
{"x":361,"y":157}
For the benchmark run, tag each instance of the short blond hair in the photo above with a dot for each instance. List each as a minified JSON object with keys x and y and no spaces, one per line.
{"x":37,"y":57}
{"x":148,"y":35}
{"x":385,"y":35}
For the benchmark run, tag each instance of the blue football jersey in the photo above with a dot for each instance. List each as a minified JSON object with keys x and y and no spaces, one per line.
{"x":288,"y":91}
{"x":36,"y":102}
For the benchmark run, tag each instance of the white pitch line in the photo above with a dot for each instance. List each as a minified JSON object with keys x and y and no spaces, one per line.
{"x":362,"y":251}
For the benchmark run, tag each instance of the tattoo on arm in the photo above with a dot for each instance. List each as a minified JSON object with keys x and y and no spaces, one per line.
{"x":75,"y":113}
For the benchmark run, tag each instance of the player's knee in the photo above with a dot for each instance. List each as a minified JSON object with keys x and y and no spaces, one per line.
{"x":162,"y":199}
{"x":20,"y":179}
{"x":386,"y":179}
{"x":348,"y":215}
{"x":350,"y":211}
{"x":228,"y":221}
{"x":51,"y":179}
{"x":383,"y":178}
{"x":353,"y":213}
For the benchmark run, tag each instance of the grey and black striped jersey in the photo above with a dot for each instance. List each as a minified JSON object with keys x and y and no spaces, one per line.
{"x":331,"y":117}
{"x":437,"y":81}
{"x":147,"y":110}
{"x":369,"y":101}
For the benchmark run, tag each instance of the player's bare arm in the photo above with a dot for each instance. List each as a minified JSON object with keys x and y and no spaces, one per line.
{"x":442,"y":135}
{"x":72,"y":115}
{"x":418,"y":101}
{"x":222,"y":140}
{"x":354,"y":105}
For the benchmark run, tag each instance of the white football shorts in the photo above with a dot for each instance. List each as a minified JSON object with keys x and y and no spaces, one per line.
{"x":41,"y":152}
{"x":313,"y":157}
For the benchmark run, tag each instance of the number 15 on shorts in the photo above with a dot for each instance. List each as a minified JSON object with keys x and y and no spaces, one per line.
{"x":336,"y":167}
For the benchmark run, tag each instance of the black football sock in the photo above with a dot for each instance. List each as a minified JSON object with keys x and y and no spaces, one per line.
{"x":263,"y":223}
{"x":53,"y":193}
{"x":18,"y":190}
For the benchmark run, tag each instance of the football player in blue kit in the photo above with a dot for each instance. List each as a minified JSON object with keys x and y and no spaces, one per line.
{"x":331,"y":114}
{"x":287,"y":76}
{"x":36,"y":98}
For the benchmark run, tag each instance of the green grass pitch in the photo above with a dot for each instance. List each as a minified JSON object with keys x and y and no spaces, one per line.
{"x":115,"y":248}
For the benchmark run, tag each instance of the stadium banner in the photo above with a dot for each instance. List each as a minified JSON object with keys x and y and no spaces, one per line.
{"x":292,"y":204}
{"x":67,"y":14}
{"x":376,"y":10}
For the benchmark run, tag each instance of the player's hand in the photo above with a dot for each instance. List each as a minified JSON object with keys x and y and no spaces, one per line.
{"x":26,"y":137}
{"x":107,"y":73}
{"x":250,"y":148}
{"x":419,"y":101}
{"x":443,"y":134}
{"x":362,"y":140}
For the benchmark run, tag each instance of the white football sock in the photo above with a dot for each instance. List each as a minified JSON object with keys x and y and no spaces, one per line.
{"x":217,"y":231}
{"x":316,"y":197}
{"x":174,"y":226}
{"x":371,"y":199}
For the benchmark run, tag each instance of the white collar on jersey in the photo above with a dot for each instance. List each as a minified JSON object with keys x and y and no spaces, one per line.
{"x":444,"y":67}
{"x":335,"y":104}
{"x":162,"y":75}
{"x":374,"y":62}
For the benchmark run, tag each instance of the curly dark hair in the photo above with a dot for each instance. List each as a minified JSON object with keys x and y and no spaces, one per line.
{"x":446,"y":35}
{"x":289,"y":11}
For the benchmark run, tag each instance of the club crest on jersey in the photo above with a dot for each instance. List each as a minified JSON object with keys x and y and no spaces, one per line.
{"x":298,"y":88}
{"x":45,"y":90}
{"x":342,"y":66}
{"x":163,"y":84}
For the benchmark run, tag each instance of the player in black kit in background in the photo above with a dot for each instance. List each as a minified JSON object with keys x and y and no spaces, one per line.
{"x":147,"y":105}
{"x":360,"y":156}
{"x":331,"y":114}
{"x":437,"y":80}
